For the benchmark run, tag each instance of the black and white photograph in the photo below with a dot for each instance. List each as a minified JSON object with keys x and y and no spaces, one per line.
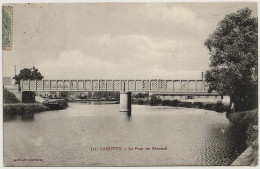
{"x":130,"y":84}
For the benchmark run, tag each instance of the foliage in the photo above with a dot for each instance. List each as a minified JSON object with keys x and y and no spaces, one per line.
{"x":198,"y":105}
{"x":155,"y":101}
{"x":218,"y":107}
{"x":141,"y":95}
{"x":170,"y":102}
{"x":28,"y":74}
{"x":141,"y":101}
{"x":244,"y":118}
{"x":234,"y":59}
{"x":9,"y":97}
{"x":185,"y":104}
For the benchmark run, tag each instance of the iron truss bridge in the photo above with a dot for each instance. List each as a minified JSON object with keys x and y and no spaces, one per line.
{"x":155,"y":86}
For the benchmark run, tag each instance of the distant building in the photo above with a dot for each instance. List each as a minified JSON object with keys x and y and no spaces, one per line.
{"x":7,"y":81}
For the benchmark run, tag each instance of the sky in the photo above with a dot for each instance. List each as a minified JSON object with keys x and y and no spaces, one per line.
{"x":115,"y":40}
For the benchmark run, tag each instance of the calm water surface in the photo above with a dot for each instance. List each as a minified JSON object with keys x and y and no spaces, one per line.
{"x":65,"y":137}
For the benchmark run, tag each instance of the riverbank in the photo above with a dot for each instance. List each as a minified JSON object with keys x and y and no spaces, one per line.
{"x":248,"y":122}
{"x":248,"y":158}
{"x":56,"y":104}
{"x":16,"y":108}
{"x":12,"y":110}
{"x":216,"y":106}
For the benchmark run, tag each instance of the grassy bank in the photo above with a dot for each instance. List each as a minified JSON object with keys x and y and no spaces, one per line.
{"x":9,"y":97}
{"x":244,"y":118}
{"x":218,"y":106}
{"x":18,"y":108}
{"x":10,"y":111}
{"x":247,"y":121}
{"x":12,"y":107}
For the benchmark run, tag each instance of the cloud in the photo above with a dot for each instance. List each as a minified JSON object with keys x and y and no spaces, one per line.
{"x":114,"y":40}
{"x":76,"y":65}
{"x":143,"y":50}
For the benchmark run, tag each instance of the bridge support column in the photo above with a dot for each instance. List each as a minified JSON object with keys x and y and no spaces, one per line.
{"x":125,"y":101}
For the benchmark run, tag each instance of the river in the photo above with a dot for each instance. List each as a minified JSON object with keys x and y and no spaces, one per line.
{"x":84,"y":134}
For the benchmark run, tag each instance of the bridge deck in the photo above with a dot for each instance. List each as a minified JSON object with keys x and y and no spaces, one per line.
{"x":154,"y":86}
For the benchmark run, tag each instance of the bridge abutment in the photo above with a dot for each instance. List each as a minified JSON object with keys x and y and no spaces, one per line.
{"x":125,"y":101}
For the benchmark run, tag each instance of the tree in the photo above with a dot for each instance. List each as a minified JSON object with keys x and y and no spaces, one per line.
{"x":28,"y":74}
{"x":233,"y":49}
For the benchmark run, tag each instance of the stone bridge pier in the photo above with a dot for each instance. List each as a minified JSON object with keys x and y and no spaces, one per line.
{"x":125,"y":99}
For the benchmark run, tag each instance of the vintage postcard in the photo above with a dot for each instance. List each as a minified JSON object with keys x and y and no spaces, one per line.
{"x":130,"y":84}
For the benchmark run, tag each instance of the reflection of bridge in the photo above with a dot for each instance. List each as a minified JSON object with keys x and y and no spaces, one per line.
{"x":158,"y":87}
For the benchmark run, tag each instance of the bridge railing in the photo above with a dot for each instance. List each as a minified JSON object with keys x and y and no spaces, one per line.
{"x":115,"y":85}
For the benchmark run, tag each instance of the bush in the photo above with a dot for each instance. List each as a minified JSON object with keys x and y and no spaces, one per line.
{"x":171,"y":103}
{"x":244,"y":118}
{"x":139,"y":101}
{"x":147,"y":102}
{"x":9,"y":97}
{"x":198,"y":105}
{"x":220,"y":107}
{"x":175,"y":102}
{"x":210,"y":106}
{"x":186,"y":104}
{"x":166,"y":102}
{"x":155,"y":101}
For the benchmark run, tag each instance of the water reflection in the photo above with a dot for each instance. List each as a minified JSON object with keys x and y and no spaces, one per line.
{"x":128,"y":116}
{"x":65,"y":137}
{"x":10,"y":117}
{"x":29,"y":116}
